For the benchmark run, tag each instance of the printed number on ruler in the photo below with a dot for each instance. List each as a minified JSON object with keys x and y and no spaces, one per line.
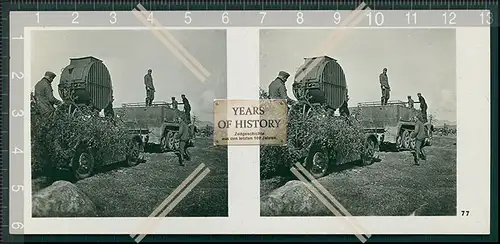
{"x":75,"y":16}
{"x":150,"y":18}
{"x":337,"y":18}
{"x":17,"y":225}
{"x":113,"y":19}
{"x":486,"y":18}
{"x":225,"y":18}
{"x":17,"y":37}
{"x":37,"y":17}
{"x":17,"y":188}
{"x":187,"y":18}
{"x":449,"y":18}
{"x":16,"y":75}
{"x":378,"y":18}
{"x":300,"y":18}
{"x":17,"y":113}
{"x":17,"y":150}
{"x":263,"y":17}
{"x":412,"y":18}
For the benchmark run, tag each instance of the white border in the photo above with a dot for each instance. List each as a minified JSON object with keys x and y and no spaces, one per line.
{"x":473,"y":161}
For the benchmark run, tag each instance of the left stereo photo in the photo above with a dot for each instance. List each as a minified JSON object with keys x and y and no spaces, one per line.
{"x":123,"y":119}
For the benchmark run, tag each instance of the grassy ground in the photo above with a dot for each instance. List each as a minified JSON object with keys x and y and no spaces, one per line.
{"x":394,"y":186}
{"x":138,"y":190}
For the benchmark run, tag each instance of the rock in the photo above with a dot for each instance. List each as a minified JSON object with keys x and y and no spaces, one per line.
{"x":39,"y":183}
{"x":62,"y":199}
{"x":292,"y":199}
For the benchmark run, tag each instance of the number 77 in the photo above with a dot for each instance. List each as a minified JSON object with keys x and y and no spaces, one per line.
{"x":263,"y":17}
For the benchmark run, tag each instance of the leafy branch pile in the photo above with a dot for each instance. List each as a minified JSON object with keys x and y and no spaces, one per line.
{"x":342,"y":136}
{"x":54,"y":139}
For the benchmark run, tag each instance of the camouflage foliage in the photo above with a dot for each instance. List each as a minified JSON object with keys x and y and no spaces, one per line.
{"x":341,"y":136}
{"x":55,"y":139}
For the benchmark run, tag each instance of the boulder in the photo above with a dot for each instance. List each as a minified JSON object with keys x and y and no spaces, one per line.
{"x":292,"y":199}
{"x":62,"y":199}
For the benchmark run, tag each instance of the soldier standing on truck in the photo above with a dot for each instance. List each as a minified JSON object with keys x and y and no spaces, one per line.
{"x":344,"y":110}
{"x":423,"y":107}
{"x":187,"y":108}
{"x":175,"y":104}
{"x":183,"y":135}
{"x":419,"y":134}
{"x":277,"y":88}
{"x":44,"y":96}
{"x":150,"y":89}
{"x":384,"y":85}
{"x":411,"y":103}
{"x":108,"y":110}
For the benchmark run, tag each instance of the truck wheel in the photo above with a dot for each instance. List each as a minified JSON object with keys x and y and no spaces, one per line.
{"x":399,"y":142}
{"x":164,"y":142}
{"x":317,"y":162}
{"x":83,"y":164}
{"x":406,"y":139}
{"x":412,"y":143}
{"x":133,"y":158}
{"x":367,"y":158}
{"x":170,"y":140}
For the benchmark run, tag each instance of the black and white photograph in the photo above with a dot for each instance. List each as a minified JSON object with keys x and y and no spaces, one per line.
{"x":371,"y":122}
{"x":122,"y":120}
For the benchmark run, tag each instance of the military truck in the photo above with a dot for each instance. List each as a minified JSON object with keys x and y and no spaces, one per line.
{"x":320,"y":82}
{"x":157,"y":124}
{"x":391,"y":124}
{"x":85,"y":87}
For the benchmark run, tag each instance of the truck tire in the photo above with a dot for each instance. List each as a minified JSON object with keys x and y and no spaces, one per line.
{"x":399,"y":142}
{"x":412,"y":143}
{"x":317,"y":162}
{"x":406,"y":139}
{"x":170,"y":140}
{"x":82,"y":164}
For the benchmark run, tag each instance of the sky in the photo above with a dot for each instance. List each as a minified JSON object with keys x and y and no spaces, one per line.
{"x":418,"y":60}
{"x":128,"y":54}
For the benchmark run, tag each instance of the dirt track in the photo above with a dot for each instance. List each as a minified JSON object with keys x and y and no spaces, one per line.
{"x":138,"y":190}
{"x":394,"y":186}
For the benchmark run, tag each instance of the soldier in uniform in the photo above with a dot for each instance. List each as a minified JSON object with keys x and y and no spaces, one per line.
{"x":384,"y":85}
{"x":344,"y":110}
{"x":44,"y":96}
{"x":187,"y":108}
{"x":423,"y":107}
{"x":150,"y":89}
{"x":277,"y":88}
{"x":419,"y":134}
{"x":411,"y":102}
{"x":183,"y":135}
{"x":108,"y":110}
{"x":175,"y":104}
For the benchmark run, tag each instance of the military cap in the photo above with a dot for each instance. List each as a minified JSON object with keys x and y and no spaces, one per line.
{"x":283,"y":74}
{"x":49,"y":74}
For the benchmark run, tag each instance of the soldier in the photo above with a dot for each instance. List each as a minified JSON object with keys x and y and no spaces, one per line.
{"x":384,"y":85}
{"x":44,"y":96}
{"x":277,"y":88}
{"x":419,"y":134}
{"x":108,"y":110}
{"x":187,"y":108}
{"x":423,"y":107}
{"x":411,"y":102}
{"x":183,"y":135}
{"x":150,"y":89}
{"x":175,"y":104}
{"x":344,"y":110}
